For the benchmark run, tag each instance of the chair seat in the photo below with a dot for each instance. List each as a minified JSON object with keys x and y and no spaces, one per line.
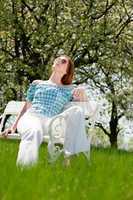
{"x":45,"y":138}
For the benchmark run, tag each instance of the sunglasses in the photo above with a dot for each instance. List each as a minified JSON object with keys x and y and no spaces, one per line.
{"x":61,"y":60}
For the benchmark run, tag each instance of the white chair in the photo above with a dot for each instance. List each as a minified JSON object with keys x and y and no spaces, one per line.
{"x":56,"y":128}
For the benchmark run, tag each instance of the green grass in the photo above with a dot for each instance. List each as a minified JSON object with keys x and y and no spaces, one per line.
{"x":108,"y":176}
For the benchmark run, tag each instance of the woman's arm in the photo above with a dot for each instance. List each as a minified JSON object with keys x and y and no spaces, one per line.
{"x":13,"y":128}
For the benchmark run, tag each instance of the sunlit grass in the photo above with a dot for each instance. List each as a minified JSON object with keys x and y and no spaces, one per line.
{"x":108,"y":175}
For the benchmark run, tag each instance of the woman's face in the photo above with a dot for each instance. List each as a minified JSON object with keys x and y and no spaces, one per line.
{"x":60,"y":64}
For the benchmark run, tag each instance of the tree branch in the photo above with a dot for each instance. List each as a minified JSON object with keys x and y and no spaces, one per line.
{"x":103,"y":129}
{"x":104,"y":12}
{"x":123,"y":26}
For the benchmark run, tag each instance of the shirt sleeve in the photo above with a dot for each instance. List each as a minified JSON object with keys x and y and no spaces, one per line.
{"x":31,"y":92}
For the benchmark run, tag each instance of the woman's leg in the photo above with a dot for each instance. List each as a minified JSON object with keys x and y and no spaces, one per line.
{"x":76,"y":139}
{"x":31,"y":131}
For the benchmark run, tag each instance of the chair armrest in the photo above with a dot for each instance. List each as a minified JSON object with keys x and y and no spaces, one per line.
{"x":90,"y":108}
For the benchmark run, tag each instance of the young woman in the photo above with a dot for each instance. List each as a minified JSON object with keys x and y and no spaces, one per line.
{"x":46,"y":99}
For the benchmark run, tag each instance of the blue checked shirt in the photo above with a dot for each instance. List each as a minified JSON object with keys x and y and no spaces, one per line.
{"x":48,"y":99}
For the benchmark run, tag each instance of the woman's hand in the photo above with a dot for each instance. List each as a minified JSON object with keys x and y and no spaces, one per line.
{"x":79,"y":94}
{"x":13,"y":128}
{"x":8,"y":131}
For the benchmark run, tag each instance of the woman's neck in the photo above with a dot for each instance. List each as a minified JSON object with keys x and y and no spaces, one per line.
{"x":56,"y":78}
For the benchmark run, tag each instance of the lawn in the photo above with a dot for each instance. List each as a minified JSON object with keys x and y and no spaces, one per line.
{"x":108,"y":176}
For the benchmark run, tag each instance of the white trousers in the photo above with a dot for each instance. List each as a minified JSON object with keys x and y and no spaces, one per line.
{"x":33,"y":127}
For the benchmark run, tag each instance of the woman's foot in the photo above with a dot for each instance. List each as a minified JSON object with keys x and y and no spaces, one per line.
{"x":67,"y":161}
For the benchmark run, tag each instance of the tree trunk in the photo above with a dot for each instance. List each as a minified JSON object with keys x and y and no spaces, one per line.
{"x":113,"y":140}
{"x":113,"y":126}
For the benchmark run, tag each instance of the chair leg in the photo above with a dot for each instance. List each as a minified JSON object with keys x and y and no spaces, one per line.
{"x":53,"y":152}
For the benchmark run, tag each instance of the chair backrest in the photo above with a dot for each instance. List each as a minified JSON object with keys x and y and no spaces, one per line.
{"x":90,"y":109}
{"x":13,"y":107}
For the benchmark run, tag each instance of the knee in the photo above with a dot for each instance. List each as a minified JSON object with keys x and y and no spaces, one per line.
{"x":78,"y":110}
{"x":32,"y":133}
